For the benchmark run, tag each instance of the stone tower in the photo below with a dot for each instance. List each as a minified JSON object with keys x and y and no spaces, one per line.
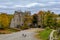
{"x":17,"y":20}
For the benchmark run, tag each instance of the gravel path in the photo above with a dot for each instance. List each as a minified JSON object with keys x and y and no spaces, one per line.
{"x":18,"y":35}
{"x":51,"y":35}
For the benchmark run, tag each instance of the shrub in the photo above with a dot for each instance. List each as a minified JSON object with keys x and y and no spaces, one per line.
{"x":24,"y":27}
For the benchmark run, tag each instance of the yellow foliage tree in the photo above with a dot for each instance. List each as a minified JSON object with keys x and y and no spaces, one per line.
{"x":4,"y":20}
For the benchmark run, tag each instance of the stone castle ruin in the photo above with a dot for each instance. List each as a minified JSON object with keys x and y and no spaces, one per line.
{"x":18,"y":19}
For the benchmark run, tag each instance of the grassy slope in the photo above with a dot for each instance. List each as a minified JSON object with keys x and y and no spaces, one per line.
{"x":44,"y":35}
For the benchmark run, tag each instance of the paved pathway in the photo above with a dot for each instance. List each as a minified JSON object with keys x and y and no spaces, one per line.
{"x":18,"y":35}
{"x":51,"y":35}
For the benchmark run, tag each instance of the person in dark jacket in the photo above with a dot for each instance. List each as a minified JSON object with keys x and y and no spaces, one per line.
{"x":24,"y":35}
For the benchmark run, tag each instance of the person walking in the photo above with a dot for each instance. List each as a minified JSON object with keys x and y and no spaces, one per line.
{"x":24,"y":35}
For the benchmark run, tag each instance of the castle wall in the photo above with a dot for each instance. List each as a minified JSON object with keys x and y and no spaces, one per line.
{"x":18,"y":19}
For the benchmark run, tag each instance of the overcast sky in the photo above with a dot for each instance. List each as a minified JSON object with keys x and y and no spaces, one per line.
{"x":9,"y":6}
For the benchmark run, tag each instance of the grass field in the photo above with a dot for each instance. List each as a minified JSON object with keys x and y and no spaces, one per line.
{"x":44,"y":35}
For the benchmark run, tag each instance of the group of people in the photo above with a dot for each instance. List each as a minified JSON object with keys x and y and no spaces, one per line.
{"x":24,"y":35}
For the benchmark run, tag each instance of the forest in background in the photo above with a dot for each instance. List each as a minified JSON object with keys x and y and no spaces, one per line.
{"x":48,"y":19}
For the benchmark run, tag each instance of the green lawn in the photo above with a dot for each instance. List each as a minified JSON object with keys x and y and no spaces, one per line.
{"x":44,"y":35}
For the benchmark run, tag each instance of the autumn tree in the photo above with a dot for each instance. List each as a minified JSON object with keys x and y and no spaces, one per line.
{"x":27,"y":17}
{"x":41,"y":15}
{"x":27,"y":20}
{"x":4,"y":20}
{"x":10,"y":16}
{"x":50,"y":19}
{"x":58,"y":21}
{"x":0,"y":18}
{"x":35,"y":20}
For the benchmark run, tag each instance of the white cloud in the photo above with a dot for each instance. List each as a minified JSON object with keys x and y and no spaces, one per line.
{"x":54,"y":2}
{"x":2,"y":6}
{"x":16,"y":6}
{"x":6,"y":3}
{"x":51,"y":9}
{"x":30,"y":5}
{"x":34,"y":4}
{"x":55,"y":8}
